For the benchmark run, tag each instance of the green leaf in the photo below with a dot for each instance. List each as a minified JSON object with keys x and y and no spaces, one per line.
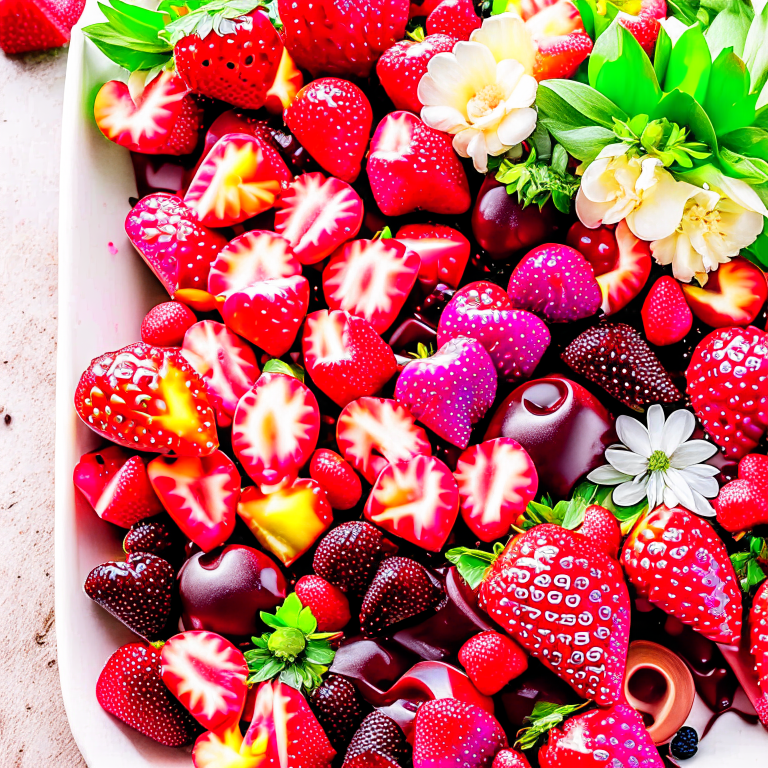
{"x":133,"y":61}
{"x":662,"y":54}
{"x":106,"y":33}
{"x":683,"y":109}
{"x":689,"y":65}
{"x":574,"y":515}
{"x":585,"y":143}
{"x":319,"y":654}
{"x":598,"y":109}
{"x":383,"y":234}
{"x":541,"y":142}
{"x":757,"y":253}
{"x":292,"y":676}
{"x":727,"y":101}
{"x":620,"y":69}
{"x":756,"y":50}
{"x":275,"y":365}
{"x":306,"y":622}
{"x":543,"y":718}
{"x":685,"y":10}
{"x":472,"y":564}
{"x":216,"y":16}
{"x":267,"y":671}
{"x":729,"y":29}
{"x":271,"y":620}
{"x":586,"y":491}
{"x":289,"y":611}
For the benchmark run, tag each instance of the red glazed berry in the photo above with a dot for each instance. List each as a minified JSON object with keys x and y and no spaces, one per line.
{"x":166,"y":324}
{"x":336,"y":477}
{"x":492,"y":660}
{"x":328,"y":603}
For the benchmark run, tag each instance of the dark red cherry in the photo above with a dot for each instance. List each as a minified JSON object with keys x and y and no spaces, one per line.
{"x":597,"y":246}
{"x":224,"y":590}
{"x":564,"y":428}
{"x":503,"y":227}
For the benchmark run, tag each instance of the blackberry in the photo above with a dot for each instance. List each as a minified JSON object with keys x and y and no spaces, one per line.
{"x":685,"y":743}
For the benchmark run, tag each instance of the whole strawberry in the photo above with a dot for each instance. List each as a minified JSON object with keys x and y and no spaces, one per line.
{"x":153,"y":536}
{"x":328,"y":604}
{"x":36,"y":25}
{"x":492,"y":660}
{"x":341,"y":37}
{"x":166,"y":324}
{"x":454,"y":17}
{"x":678,"y":562}
{"x":402,"y":66}
{"x":510,"y":758}
{"x":338,"y":708}
{"x":378,"y":743}
{"x":667,"y":318}
{"x":602,"y":529}
{"x":728,"y":368}
{"x":743,"y":503}
{"x":332,"y":120}
{"x":336,"y":477}
{"x":758,"y":635}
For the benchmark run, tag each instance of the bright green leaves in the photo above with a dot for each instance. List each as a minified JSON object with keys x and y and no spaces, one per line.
{"x":689,"y":64}
{"x":597,"y":17}
{"x":294,"y":650}
{"x":729,"y":29}
{"x":544,"y":717}
{"x":727,"y":100}
{"x":749,"y":565}
{"x":756,"y":50}
{"x":473,"y":564}
{"x":212,"y":17}
{"x":662,"y":139}
{"x":567,"y":514}
{"x":276,"y":365}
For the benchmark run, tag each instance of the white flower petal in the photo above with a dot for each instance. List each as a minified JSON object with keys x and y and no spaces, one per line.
{"x":517,"y":126}
{"x":445,"y":84}
{"x":662,"y":205}
{"x":703,"y":507}
{"x":692,"y":452}
{"x":461,"y":141}
{"x":655,"y":419}
{"x":634,"y":435}
{"x":652,"y":491}
{"x":477,"y":150}
{"x":677,"y":429}
{"x":607,"y":475}
{"x":675,"y":481}
{"x":630,"y":493}
{"x":670,"y":498}
{"x":702,"y":470}
{"x":508,"y":75}
{"x":740,"y":192}
{"x":706,"y":486}
{"x":590,"y":213}
{"x":507,"y":37}
{"x":443,"y":118}
{"x":476,"y":63}
{"x":626,"y":461}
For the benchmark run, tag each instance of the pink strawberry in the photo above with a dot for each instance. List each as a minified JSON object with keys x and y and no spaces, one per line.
{"x":207,"y":674}
{"x":371,"y":279}
{"x":328,"y":604}
{"x":413,"y":167}
{"x":496,"y":481}
{"x":728,"y":369}
{"x":317,"y":215}
{"x":200,"y":494}
{"x":226,"y":363}
{"x":678,"y":562}
{"x":332,"y":120}
{"x":400,"y":589}
{"x":275,"y":429}
{"x":515,"y":339}
{"x":402,"y":66}
{"x":456,"y":18}
{"x":168,"y":236}
{"x":594,"y":738}
{"x":345,"y":357}
{"x":556,"y":282}
{"x":743,"y":503}
{"x":27,"y":25}
{"x":373,"y":431}
{"x":615,"y":356}
{"x":341,"y":38}
{"x":417,"y":500}
{"x":450,"y":391}
{"x":341,"y":485}
{"x":560,"y":56}
{"x":666,"y":315}
{"x":758,"y":636}
{"x":510,"y":758}
{"x":166,"y":324}
{"x":338,"y":706}
{"x":451,"y":734}
{"x":492,"y":660}
{"x":378,"y":743}
{"x":116,"y":485}
{"x":138,"y":592}
{"x":131,"y":689}
{"x":269,"y":313}
{"x":646,"y":25}
{"x":444,"y":253}
{"x":349,"y":555}
{"x":147,"y":398}
{"x":602,"y":529}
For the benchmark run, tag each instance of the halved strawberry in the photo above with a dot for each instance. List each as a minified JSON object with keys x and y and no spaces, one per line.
{"x":226,"y":363}
{"x":287,"y":84}
{"x":241,"y":177}
{"x":373,"y":431}
{"x":200,"y":494}
{"x":417,"y":500}
{"x":175,"y":246}
{"x":275,"y":429}
{"x":249,"y":258}
{"x":496,"y":481}
{"x":116,"y":485}
{"x":318,"y":214}
{"x":562,"y":43}
{"x":733,"y":295}
{"x":162,"y":118}
{"x":444,"y":252}
{"x":221,"y":749}
{"x":344,"y":356}
{"x":371,"y":279}
{"x":148,"y":398}
{"x":269,"y":313}
{"x":37,"y":25}
{"x":207,"y":674}
{"x":288,"y":521}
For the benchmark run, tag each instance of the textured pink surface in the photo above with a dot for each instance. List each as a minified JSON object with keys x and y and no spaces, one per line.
{"x":33,"y":725}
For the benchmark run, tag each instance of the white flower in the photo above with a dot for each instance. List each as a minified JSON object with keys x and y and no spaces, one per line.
{"x":660,"y":463}
{"x":713,"y":229}
{"x":639,"y":189}
{"x":483,"y":91}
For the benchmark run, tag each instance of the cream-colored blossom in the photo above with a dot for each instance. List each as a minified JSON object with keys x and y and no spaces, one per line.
{"x":483,"y":93}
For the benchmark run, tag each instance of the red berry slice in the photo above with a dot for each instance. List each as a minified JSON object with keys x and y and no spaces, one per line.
{"x":417,"y":500}
{"x":226,"y":363}
{"x":269,"y":313}
{"x":372,"y":431}
{"x":207,"y":674}
{"x":341,"y":485}
{"x":496,"y":481}
{"x":444,"y":252}
{"x":241,"y":177}
{"x":371,"y":279}
{"x":288,"y":521}
{"x":317,"y":214}
{"x":200,"y":494}
{"x":250,"y":258}
{"x":345,"y":357}
{"x":275,"y":429}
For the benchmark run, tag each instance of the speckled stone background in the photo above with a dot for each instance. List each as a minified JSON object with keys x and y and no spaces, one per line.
{"x":33,"y":726}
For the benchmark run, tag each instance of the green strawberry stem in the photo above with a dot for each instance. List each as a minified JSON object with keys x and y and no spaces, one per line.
{"x":473,"y":564}
{"x":544,"y":717}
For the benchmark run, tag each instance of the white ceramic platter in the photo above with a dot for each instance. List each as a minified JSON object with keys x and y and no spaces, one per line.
{"x":104,"y":292}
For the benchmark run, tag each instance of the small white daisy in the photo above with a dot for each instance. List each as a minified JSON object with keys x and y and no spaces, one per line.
{"x":660,"y":463}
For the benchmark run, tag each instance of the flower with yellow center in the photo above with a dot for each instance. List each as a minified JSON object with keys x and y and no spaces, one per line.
{"x":483,"y":92}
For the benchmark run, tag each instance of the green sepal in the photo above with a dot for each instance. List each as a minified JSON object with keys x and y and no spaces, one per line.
{"x":544,"y":717}
{"x":473,"y":564}
{"x":748,"y":565}
{"x":422,"y":351}
{"x":727,"y":101}
{"x":596,"y":18}
{"x":276,"y":365}
{"x":690,"y":63}
{"x":383,"y":234}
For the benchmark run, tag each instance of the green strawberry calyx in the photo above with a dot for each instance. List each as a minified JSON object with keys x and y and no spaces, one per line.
{"x":294,"y":650}
{"x":474,"y":564}
{"x":544,"y":717}
{"x":749,"y":565}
